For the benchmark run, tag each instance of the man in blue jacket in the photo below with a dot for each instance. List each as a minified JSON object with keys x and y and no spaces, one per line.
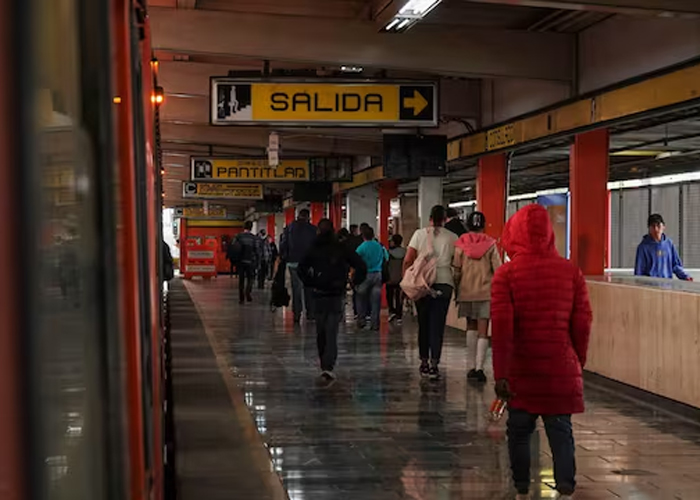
{"x":297,"y":239}
{"x":656,"y":255}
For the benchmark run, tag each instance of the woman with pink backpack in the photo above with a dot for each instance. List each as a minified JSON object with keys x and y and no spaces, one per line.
{"x":428,"y":281}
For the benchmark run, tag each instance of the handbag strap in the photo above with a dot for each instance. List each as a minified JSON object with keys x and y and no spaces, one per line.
{"x":431,"y":247}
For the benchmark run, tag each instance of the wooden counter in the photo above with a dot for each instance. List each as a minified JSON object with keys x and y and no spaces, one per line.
{"x":647,"y":337}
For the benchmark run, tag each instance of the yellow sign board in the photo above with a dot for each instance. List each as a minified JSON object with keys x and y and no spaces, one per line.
{"x":222,"y":191}
{"x":324,"y":103}
{"x":500,"y":137}
{"x":199,"y":212}
{"x":229,"y":169}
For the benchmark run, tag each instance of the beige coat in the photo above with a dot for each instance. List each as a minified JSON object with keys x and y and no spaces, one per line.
{"x":473,"y":276}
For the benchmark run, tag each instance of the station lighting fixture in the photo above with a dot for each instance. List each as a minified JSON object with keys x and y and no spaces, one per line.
{"x":352,"y":69}
{"x":158,"y":96}
{"x":412,"y":12}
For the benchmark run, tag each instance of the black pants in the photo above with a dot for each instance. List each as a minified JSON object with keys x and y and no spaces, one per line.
{"x":432,"y":316}
{"x":394,"y":296}
{"x":521,"y":425}
{"x":246,"y":275}
{"x":262,"y":274}
{"x":329,"y":310}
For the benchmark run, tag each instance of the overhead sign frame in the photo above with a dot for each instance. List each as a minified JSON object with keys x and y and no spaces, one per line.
{"x":256,"y":170}
{"x":322,"y":102}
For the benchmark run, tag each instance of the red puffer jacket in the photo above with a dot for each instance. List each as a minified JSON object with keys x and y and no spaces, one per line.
{"x":541,"y":319}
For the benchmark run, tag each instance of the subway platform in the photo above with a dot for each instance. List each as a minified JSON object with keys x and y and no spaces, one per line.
{"x":252,"y":422}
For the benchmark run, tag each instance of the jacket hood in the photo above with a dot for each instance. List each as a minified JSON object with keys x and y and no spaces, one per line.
{"x":475,"y":245}
{"x":529,"y":231}
{"x":648,"y":240}
{"x":398,"y":252}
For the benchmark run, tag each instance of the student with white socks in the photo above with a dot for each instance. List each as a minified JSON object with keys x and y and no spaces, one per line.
{"x":475,"y":261}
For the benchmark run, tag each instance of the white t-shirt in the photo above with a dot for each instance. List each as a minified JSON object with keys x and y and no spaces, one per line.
{"x":444,"y":248}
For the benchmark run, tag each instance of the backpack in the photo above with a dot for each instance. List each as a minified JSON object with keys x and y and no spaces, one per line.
{"x":418,"y":280}
{"x":235,"y":251}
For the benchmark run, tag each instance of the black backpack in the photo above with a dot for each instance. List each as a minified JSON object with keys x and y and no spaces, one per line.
{"x":235,"y":251}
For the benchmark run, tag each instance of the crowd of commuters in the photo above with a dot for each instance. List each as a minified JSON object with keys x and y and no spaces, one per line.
{"x":533,"y":309}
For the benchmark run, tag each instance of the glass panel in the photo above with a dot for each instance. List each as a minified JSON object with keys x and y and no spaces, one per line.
{"x":666,"y":200}
{"x":66,"y":351}
{"x":635,"y":212}
{"x":691,"y":226}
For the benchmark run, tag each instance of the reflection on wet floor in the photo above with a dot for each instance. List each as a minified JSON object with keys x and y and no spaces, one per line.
{"x":383,"y":433}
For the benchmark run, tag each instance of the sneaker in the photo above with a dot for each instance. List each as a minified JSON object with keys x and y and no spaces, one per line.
{"x":241,"y":300}
{"x":399,"y":321}
{"x":249,"y":298}
{"x":434,"y":373}
{"x":327,"y":378}
{"x":424,"y":370}
{"x":392,"y":317}
{"x":471,"y":375}
{"x":481,"y":376}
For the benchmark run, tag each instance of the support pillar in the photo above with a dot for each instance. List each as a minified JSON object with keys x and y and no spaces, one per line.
{"x":491,"y":186}
{"x":388,"y":190}
{"x":589,"y":201}
{"x":318,"y":212}
{"x":289,"y":215}
{"x":362,"y":206}
{"x":336,"y":210}
{"x":271,"y":226}
{"x":429,"y":195}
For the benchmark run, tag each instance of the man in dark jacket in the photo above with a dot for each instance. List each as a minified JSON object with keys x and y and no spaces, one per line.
{"x":296,"y":241}
{"x":245,"y":250}
{"x":454,"y":224}
{"x":656,"y":254}
{"x":324,"y":270}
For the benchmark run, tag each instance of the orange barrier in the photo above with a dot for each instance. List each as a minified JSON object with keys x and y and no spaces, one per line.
{"x":199,"y":258}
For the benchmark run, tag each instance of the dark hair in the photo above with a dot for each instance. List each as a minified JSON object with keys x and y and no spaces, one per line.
{"x":397,"y":239}
{"x":437,"y":215}
{"x":451,"y":212}
{"x":352,"y":227}
{"x":304,"y":213}
{"x":263,"y":232}
{"x":364,"y":226}
{"x":325,"y":227}
{"x":248,"y":225}
{"x":476,"y":221}
{"x":343,"y":233}
{"x":368,"y":233}
{"x":655,"y":219}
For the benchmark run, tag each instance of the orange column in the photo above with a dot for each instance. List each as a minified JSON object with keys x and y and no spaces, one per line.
{"x":336,"y":210}
{"x":288,"y":216}
{"x":271,"y":226}
{"x":589,"y":201}
{"x":388,"y":190}
{"x":318,"y":211}
{"x":491,"y":192}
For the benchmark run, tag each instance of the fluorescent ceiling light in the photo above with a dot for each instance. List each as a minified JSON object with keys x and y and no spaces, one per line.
{"x":352,"y":69}
{"x":461,"y":204}
{"x":637,"y":152}
{"x":418,"y":7}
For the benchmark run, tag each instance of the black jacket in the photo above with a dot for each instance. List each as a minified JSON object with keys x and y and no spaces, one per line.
{"x":249,"y":246}
{"x":296,"y":240}
{"x":327,"y":264}
{"x":456,"y":226}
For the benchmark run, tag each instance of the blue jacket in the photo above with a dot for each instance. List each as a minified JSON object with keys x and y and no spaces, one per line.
{"x":374,"y":255}
{"x":658,"y":259}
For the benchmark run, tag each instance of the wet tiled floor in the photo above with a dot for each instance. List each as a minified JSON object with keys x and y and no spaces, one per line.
{"x":383,"y":433}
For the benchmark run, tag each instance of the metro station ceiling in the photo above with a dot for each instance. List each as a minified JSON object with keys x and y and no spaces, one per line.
{"x":458,"y":43}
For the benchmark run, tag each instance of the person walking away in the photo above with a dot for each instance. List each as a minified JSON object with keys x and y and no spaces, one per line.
{"x":657,"y":255}
{"x":369,"y":292}
{"x":246,"y":261}
{"x":475,"y":262}
{"x":432,"y":309}
{"x":265,"y":258}
{"x":274,"y":254}
{"x":324,"y":270}
{"x":297,"y":239}
{"x":541,"y":325}
{"x":454,"y":223}
{"x":394,"y":294}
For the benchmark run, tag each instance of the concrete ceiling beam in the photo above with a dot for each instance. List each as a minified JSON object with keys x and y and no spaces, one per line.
{"x":250,"y":137}
{"x":428,"y":48}
{"x":666,"y":8}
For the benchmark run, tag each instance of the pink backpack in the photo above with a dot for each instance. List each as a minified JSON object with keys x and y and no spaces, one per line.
{"x":418,"y":280}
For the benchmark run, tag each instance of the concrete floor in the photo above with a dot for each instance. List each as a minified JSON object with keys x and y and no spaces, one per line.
{"x":381,"y":432}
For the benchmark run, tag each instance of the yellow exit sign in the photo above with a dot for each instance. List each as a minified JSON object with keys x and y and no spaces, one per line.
{"x":324,"y":103}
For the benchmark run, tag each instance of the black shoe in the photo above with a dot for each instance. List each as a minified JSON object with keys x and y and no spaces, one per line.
{"x":472,"y":374}
{"x":481,"y":376}
{"x":434,"y":373}
{"x":424,"y":370}
{"x":241,"y":300}
{"x":249,"y":298}
{"x":327,"y":378}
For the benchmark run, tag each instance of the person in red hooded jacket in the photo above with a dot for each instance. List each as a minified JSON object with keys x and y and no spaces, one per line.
{"x":475,"y":262}
{"x":541,"y":325}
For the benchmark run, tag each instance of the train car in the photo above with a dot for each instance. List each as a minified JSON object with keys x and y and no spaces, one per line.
{"x":84,"y":399}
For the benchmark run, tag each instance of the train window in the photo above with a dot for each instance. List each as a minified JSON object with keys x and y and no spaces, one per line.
{"x":67,"y":347}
